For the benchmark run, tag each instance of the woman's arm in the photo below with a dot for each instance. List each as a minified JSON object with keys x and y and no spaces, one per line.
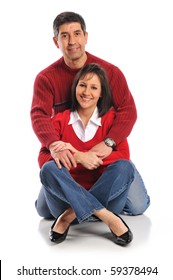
{"x":90,"y":160}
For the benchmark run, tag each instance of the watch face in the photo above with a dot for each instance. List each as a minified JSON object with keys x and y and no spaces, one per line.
{"x":109,"y":142}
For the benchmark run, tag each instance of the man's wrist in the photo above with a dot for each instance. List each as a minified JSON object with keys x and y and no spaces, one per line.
{"x":110,"y":143}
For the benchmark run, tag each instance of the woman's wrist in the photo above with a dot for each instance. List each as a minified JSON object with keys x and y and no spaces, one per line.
{"x":77,"y":156}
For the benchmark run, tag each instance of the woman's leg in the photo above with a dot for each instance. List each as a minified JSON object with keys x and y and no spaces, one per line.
{"x":138,"y":199}
{"x":112,"y":188}
{"x":43,"y":209}
{"x":131,"y":198}
{"x":58,"y":184}
{"x":112,"y":221}
{"x":41,"y":205}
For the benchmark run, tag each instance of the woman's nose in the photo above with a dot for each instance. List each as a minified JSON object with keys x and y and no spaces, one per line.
{"x":86,"y":91}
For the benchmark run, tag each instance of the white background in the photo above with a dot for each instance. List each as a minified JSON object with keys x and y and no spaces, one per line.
{"x":135,"y":35}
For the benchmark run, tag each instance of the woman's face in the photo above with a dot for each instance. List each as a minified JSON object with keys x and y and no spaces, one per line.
{"x":88,"y":91}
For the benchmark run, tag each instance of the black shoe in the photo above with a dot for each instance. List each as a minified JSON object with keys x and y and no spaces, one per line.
{"x":55,"y":236}
{"x":125,"y":238}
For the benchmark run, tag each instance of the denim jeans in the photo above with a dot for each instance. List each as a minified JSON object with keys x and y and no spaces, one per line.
{"x":120,"y":188}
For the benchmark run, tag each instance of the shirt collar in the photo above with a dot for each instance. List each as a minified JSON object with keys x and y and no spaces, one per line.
{"x":74,"y":117}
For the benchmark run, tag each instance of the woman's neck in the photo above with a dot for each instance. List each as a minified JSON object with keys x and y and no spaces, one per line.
{"x":85,"y":115}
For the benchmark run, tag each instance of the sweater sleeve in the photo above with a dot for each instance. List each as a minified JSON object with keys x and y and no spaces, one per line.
{"x":122,"y":152}
{"x":41,"y":111}
{"x":58,"y":122}
{"x":124,"y":105}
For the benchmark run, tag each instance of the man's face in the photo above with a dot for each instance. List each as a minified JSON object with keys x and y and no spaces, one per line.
{"x":71,"y":41}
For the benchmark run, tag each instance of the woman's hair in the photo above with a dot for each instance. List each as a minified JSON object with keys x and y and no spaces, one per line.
{"x":67,"y":17}
{"x":105,"y":101}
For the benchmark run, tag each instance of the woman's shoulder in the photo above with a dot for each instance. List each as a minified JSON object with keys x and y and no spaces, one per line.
{"x":110,"y":115}
{"x":62,"y":116}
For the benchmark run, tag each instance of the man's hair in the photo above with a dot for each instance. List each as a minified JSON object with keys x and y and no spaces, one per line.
{"x":105,"y":101}
{"x":67,"y":17}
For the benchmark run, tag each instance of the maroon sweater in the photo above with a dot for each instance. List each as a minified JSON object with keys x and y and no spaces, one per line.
{"x":83,"y":176}
{"x":52,"y":90}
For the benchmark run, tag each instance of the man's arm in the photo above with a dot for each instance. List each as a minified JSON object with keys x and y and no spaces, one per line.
{"x":41,"y":111}
{"x":124,"y":105}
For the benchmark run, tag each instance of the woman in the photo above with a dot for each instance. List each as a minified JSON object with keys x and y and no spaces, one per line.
{"x":95,"y":186}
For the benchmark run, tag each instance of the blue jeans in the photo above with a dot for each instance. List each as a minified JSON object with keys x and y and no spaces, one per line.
{"x":120,"y":188}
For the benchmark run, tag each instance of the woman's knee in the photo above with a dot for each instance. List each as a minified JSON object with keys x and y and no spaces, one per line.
{"x":47,"y":166}
{"x":46,"y":170}
{"x":124,"y":166}
{"x":41,"y":205}
{"x":137,"y":207}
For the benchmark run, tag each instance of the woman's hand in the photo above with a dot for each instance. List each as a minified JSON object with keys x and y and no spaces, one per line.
{"x":64,"y":153}
{"x":89,"y":159}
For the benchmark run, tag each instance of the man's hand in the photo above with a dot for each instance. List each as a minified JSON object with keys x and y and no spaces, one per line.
{"x":62,"y":155}
{"x":102,"y":150}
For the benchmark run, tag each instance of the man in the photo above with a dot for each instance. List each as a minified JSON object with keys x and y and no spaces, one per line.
{"x":52,"y":93}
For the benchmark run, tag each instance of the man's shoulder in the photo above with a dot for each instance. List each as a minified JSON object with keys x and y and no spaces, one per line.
{"x":52,"y":67}
{"x":95,"y":59}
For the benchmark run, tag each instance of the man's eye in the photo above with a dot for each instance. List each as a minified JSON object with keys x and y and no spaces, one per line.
{"x":64,"y":36}
{"x":77,"y":33}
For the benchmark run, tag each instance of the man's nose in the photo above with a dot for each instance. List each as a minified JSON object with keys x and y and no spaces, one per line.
{"x":71,"y":39}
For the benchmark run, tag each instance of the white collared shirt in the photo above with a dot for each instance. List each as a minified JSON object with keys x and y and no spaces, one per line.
{"x":82,"y":132}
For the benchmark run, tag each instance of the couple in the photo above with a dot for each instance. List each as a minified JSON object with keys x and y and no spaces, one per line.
{"x":84,"y":159}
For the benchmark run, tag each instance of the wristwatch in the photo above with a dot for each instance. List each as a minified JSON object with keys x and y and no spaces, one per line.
{"x":110,"y":143}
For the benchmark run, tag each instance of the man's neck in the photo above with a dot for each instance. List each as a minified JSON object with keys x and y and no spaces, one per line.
{"x":76,"y":63}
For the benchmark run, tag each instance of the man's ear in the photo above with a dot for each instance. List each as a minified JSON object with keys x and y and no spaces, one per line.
{"x":56,"y":42}
{"x":86,"y":37}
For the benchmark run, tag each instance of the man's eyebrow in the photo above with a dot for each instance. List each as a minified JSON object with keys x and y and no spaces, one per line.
{"x":78,"y":30}
{"x":65,"y":32}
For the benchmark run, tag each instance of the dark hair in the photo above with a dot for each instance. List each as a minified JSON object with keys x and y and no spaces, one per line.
{"x":67,"y":17}
{"x":105,"y":102}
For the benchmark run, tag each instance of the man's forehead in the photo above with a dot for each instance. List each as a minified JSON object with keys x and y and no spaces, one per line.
{"x":69,"y":26}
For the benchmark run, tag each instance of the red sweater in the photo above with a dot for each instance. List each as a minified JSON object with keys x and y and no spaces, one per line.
{"x":52,"y":89}
{"x":83,"y":176}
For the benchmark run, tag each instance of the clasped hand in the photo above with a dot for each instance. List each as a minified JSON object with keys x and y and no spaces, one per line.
{"x":65,"y":154}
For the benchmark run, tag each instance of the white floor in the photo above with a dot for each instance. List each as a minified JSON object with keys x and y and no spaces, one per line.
{"x":25,"y":242}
